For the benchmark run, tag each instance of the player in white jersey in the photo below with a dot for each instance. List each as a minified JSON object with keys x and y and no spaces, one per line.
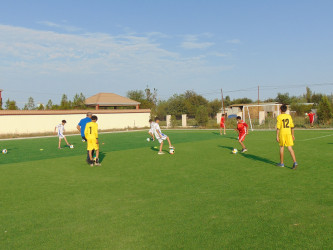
{"x":60,"y":129}
{"x":160,"y":136}
{"x":151,"y":130}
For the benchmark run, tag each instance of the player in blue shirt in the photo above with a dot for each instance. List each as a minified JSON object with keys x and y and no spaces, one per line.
{"x":82,"y":126}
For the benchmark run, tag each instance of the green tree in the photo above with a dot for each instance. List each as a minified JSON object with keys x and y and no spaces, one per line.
{"x":49,"y":105}
{"x":40,"y":107}
{"x":283,"y":98}
{"x":316,"y":98}
{"x":201,"y":116}
{"x":177,"y":106}
{"x":227,"y":101}
{"x":30,"y":105}
{"x":64,"y":103}
{"x":244,"y":100}
{"x":214,"y":107}
{"x":193,"y":101}
{"x":162,"y":109}
{"x":79,"y":101}
{"x":324,"y":110}
{"x":308,"y":95}
{"x":11,"y":105}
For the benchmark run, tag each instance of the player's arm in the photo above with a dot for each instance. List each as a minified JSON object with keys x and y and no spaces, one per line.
{"x":278,"y":135}
{"x":78,"y":128}
{"x":55,"y":129}
{"x":247,"y":128}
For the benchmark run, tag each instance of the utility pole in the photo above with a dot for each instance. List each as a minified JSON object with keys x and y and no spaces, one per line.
{"x":223,"y":108}
{"x":258,"y":102}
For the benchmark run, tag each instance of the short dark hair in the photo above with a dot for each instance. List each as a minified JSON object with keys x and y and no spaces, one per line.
{"x":223,"y":114}
{"x":283,"y":107}
{"x":63,"y":121}
{"x":150,"y":120}
{"x":94,"y":118}
{"x":238,"y":118}
{"x":156,"y":118}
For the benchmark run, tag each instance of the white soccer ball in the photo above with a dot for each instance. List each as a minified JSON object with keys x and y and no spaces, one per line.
{"x":172,"y":151}
{"x":235,"y":151}
{"x":4,"y":151}
{"x":71,"y":146}
{"x":148,"y":139}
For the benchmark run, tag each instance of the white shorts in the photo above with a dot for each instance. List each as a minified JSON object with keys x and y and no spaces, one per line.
{"x":163,"y":138}
{"x":150,"y":131}
{"x":61,"y":136}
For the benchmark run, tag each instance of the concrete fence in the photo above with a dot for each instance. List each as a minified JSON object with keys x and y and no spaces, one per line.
{"x":35,"y":121}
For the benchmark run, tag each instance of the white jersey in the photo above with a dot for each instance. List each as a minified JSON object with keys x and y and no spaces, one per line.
{"x":159,"y":136}
{"x":157,"y":128}
{"x":152,"y":125}
{"x":60,"y":129}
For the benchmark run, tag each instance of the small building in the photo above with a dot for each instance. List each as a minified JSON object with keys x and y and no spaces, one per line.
{"x":106,"y":100}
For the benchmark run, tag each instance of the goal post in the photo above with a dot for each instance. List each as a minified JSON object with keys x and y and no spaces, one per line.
{"x":257,"y":115}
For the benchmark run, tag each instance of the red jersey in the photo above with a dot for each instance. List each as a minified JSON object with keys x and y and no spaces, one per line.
{"x":242,"y":127}
{"x":222,"y":120}
{"x":311,"y":116}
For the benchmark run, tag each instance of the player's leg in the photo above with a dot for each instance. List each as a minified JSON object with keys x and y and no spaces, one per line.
{"x":91,"y":161}
{"x":170,"y":145}
{"x":220,"y":129}
{"x":59,"y":144}
{"x":292,"y":153}
{"x":241,"y":142}
{"x":281,"y":164}
{"x":161,"y":147}
{"x":224,"y":129}
{"x":66,"y":141}
{"x":97,"y":163}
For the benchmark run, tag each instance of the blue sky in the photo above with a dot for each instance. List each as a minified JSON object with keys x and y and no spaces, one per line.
{"x":52,"y":47}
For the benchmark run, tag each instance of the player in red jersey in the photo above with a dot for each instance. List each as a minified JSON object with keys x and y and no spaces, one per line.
{"x":311,"y":118}
{"x":222,"y":124}
{"x":242,"y":129}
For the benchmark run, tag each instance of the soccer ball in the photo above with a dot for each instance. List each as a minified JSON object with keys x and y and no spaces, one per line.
{"x":4,"y":151}
{"x":235,"y":151}
{"x":148,"y":139}
{"x":71,"y":146}
{"x":172,"y":151}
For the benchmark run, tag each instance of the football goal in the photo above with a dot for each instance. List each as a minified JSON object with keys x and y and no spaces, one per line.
{"x":261,"y":116}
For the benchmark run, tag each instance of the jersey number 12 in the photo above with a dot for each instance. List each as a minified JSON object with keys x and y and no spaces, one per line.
{"x":285,"y":123}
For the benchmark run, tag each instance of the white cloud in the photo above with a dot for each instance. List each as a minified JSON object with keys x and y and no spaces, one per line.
{"x":234,"y":41}
{"x":63,"y":26}
{"x":71,"y":61}
{"x":196,"y":45}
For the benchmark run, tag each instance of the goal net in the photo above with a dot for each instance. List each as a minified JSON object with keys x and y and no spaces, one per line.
{"x":261,"y":116}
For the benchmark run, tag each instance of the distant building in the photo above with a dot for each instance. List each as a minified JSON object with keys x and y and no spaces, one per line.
{"x":105,"y":100}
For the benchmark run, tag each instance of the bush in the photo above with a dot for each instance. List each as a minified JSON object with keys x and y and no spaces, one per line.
{"x":324,"y":110}
{"x":201,"y":115}
{"x":173,"y":121}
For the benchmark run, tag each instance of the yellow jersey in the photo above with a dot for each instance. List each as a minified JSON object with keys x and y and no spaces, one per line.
{"x":91,"y":130}
{"x":284,"y":124}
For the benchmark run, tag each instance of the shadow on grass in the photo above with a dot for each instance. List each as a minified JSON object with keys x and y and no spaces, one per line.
{"x":155,"y":148}
{"x":101,"y":156}
{"x":254,"y":157}
{"x":226,"y":147}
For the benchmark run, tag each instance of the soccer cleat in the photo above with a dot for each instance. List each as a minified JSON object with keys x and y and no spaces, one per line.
{"x":281,"y":165}
{"x":295,"y":165}
{"x":172,"y":147}
{"x":97,"y":162}
{"x":244,"y":150}
{"x":161,"y":153}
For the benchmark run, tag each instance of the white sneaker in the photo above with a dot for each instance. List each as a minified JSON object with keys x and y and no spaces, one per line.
{"x":172,"y":147}
{"x":161,"y":153}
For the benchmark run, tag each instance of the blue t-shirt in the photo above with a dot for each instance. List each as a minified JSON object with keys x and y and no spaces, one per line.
{"x":83,"y":124}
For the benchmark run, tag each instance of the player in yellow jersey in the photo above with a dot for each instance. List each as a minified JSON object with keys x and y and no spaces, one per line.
{"x":91,"y":133}
{"x":285,"y":135}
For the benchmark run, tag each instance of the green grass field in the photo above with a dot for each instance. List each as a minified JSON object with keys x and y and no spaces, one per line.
{"x":202,"y":197}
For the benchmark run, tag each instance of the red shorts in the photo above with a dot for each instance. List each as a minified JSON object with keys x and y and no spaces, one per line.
{"x":222,"y":125}
{"x":241,"y":136}
{"x":311,"y":121}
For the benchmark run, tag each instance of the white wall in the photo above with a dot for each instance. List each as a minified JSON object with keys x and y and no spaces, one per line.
{"x":28,"y":124}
